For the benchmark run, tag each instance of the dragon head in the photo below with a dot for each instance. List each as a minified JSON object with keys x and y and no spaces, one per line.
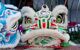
{"x":47,"y":27}
{"x":8,"y":28}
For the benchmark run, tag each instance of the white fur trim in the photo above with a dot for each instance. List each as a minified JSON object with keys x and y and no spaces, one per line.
{"x":59,"y":9}
{"x":27,"y":11}
{"x":11,"y":6}
{"x":43,"y":32}
{"x":67,"y":37}
{"x":72,"y":43}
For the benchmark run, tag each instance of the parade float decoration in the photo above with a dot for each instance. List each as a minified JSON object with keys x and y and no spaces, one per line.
{"x":45,"y":28}
{"x":9,"y":35}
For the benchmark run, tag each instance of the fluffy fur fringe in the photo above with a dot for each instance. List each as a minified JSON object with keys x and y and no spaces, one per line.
{"x":59,"y":9}
{"x":27,"y":11}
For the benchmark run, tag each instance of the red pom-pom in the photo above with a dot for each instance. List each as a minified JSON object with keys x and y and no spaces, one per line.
{"x":36,"y":18}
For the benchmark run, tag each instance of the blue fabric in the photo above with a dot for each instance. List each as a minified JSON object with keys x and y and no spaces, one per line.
{"x":2,"y":8}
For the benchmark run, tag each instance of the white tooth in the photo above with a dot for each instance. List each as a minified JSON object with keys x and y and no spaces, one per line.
{"x":69,"y":29}
{"x":72,"y":29}
{"x":76,"y":28}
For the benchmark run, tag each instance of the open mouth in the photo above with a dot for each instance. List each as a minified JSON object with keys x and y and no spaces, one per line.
{"x":44,"y":41}
{"x":43,"y":37}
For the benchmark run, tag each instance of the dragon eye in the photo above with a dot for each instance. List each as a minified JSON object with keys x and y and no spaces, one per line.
{"x":28,"y":20}
{"x":59,"y":19}
{"x":15,"y":26}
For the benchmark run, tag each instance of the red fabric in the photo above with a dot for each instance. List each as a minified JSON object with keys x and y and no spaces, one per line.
{"x":36,"y":18}
{"x":8,"y":34}
{"x":54,"y":20}
{"x":58,"y":47}
{"x":52,"y":24}
{"x":65,"y":48}
{"x":35,"y":25}
{"x":70,"y":48}
{"x":44,"y":25}
{"x":71,"y":24}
